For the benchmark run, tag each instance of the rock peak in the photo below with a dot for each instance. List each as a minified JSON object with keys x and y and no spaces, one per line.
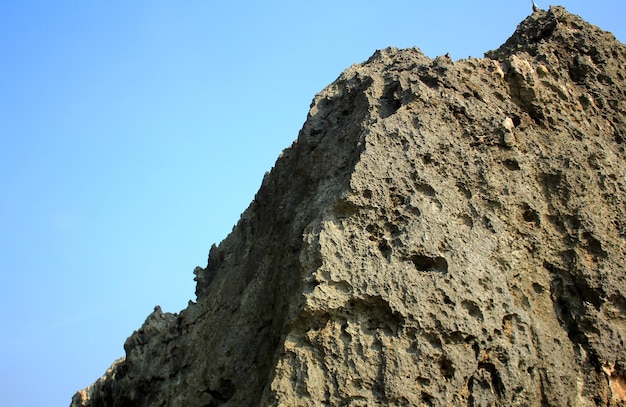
{"x":556,"y":28}
{"x":440,"y":233}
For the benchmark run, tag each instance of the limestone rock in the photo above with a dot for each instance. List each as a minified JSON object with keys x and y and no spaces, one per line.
{"x":441,"y":233}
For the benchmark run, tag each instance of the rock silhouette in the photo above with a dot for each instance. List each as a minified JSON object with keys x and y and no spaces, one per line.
{"x":440,"y":233}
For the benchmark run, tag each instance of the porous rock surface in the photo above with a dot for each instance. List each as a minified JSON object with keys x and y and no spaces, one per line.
{"x":441,"y":233}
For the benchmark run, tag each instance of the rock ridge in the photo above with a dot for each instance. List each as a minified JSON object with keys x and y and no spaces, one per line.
{"x":440,"y":233}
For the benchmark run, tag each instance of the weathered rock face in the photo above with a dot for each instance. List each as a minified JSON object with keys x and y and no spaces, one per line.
{"x":441,"y":233}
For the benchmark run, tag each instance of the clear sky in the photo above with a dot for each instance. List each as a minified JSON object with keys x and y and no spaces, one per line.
{"x":134,"y":133}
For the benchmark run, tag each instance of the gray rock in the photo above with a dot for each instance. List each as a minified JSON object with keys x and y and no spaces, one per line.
{"x":441,"y":233}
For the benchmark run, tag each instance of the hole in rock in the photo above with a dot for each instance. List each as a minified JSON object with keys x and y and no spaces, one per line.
{"x":428,"y":399}
{"x":530,"y":215}
{"x":427,"y":158}
{"x":427,"y":263}
{"x":384,"y":248}
{"x":511,"y":164}
{"x":425,"y":189}
{"x":447,"y":370}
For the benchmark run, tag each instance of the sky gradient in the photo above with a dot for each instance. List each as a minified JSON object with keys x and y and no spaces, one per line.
{"x":135,"y":133}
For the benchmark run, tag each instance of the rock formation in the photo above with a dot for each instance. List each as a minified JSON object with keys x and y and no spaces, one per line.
{"x":441,"y":233}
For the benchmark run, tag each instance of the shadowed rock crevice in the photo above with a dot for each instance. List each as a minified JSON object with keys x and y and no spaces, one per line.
{"x":428,"y":263}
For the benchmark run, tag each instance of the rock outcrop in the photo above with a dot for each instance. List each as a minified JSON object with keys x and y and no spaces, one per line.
{"x":441,"y":233}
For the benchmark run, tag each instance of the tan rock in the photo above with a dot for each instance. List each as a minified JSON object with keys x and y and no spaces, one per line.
{"x":438,"y":235}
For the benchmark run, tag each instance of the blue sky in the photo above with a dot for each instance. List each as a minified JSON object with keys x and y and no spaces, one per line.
{"x":133,"y":134}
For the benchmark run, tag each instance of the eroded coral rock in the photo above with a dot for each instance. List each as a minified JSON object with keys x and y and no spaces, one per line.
{"x":441,"y":233}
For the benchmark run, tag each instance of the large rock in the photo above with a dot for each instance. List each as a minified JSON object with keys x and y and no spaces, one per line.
{"x":441,"y":233}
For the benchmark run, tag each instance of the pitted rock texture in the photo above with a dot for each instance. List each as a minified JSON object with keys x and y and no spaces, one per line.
{"x":441,"y":233}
